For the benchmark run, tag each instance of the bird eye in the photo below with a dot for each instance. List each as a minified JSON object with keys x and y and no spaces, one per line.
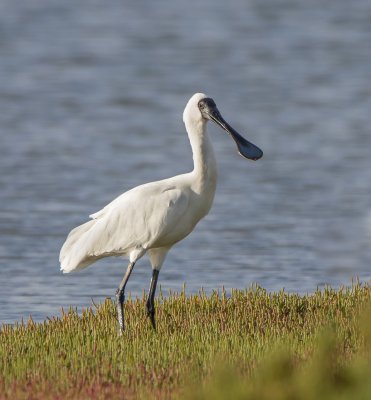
{"x":201,"y":105}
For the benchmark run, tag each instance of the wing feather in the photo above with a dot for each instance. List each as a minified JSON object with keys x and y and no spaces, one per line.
{"x":142,"y":217}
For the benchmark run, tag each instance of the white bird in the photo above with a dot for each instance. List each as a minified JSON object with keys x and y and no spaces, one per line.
{"x":152,"y":217}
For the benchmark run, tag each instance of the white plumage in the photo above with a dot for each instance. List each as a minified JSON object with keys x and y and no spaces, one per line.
{"x":152,"y":217}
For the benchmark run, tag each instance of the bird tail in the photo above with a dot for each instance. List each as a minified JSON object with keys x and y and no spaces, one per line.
{"x":72,"y":255}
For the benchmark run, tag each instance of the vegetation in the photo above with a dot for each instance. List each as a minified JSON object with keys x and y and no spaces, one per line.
{"x":242,"y":345}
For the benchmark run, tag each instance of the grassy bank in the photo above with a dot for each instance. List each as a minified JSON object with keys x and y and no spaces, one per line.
{"x":205,"y":346}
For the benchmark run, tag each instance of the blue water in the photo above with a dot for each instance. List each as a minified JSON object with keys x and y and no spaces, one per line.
{"x":91,"y":100}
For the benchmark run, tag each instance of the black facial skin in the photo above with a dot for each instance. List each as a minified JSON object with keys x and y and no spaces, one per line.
{"x":246,"y":149}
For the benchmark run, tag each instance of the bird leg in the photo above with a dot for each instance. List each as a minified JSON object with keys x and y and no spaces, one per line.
{"x":150,"y":305}
{"x":120,"y":297}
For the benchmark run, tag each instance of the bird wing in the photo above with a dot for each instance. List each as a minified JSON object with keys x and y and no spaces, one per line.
{"x":141,"y":217}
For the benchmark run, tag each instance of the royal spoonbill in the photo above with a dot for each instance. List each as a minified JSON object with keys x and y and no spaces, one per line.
{"x":152,"y":217}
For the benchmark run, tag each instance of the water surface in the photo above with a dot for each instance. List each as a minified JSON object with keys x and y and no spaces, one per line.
{"x":91,"y":99}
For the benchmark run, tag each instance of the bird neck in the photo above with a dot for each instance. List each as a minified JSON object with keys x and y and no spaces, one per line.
{"x":205,"y":169}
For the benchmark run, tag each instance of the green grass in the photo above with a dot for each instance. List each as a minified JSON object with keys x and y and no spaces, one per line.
{"x":250,"y":343}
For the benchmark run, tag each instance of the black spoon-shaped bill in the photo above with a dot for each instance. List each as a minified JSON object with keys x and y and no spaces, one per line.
{"x":245,"y":148}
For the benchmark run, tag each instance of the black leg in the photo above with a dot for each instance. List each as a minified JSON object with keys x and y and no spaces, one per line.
{"x":120,"y":297}
{"x":151,"y":297}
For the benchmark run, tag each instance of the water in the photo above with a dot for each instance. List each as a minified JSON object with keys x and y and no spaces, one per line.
{"x":91,"y":98}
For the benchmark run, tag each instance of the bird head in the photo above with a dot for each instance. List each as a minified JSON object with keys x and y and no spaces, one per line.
{"x":201,"y":108}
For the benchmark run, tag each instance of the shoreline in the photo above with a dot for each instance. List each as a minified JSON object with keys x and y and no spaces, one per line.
{"x":79,"y":356}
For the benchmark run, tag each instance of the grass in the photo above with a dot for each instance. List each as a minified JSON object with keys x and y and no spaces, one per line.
{"x":247,"y":343}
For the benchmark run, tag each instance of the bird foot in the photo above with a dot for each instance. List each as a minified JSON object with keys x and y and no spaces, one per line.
{"x":120,"y":298}
{"x":152,"y":318}
{"x":151,"y":315}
